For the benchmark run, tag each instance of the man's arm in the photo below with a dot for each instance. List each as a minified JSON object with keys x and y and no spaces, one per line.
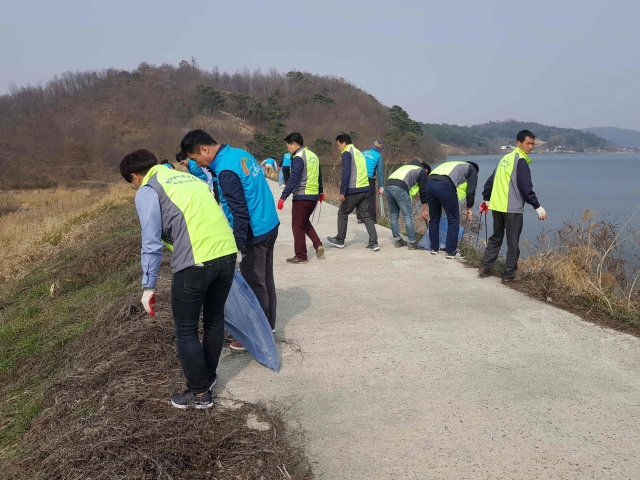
{"x":422,"y":183}
{"x":472,"y":185}
{"x":488,"y":186}
{"x":380,"y":172}
{"x":234,"y":195}
{"x":148,"y":208}
{"x":346,"y":173}
{"x":525,"y":184}
{"x":297,"y":168}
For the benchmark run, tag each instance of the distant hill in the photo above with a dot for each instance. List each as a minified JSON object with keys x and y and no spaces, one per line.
{"x":622,"y":137}
{"x":488,"y":137}
{"x":77,"y":127}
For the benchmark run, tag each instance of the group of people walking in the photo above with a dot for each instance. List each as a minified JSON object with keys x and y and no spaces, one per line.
{"x":210,"y":238}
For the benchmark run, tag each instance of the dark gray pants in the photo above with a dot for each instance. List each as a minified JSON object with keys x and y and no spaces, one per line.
{"x":372,"y":200}
{"x":359,"y":201}
{"x":257,"y":270}
{"x":512,"y":224}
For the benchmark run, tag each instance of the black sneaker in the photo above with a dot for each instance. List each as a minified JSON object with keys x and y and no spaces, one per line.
{"x":414,"y":246}
{"x":187,"y":399}
{"x":457,"y":255}
{"x":335,"y":242}
{"x":212,"y":383}
{"x":435,"y":252}
{"x":373,"y":247}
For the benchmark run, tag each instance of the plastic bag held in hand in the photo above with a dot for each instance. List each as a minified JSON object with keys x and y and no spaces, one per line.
{"x":542,"y":214}
{"x":484,"y":207}
{"x":148,"y":300}
{"x":321,"y":198}
{"x":280,"y":204}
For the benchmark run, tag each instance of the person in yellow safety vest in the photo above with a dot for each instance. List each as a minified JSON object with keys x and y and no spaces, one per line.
{"x":305,"y":183}
{"x":448,"y":183}
{"x":177,"y":209}
{"x":402,"y":185}
{"x":354,"y":189}
{"x":507,"y":190}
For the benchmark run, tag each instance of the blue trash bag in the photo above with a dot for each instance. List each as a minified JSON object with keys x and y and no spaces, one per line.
{"x":281,"y":177}
{"x":247,"y":323}
{"x":442,"y":235}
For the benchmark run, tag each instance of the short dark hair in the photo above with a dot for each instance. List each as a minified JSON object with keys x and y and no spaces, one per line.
{"x":193,"y":140}
{"x":344,"y":138}
{"x":181,"y":156}
{"x":524,"y":134}
{"x":426,"y":166}
{"x":140,"y":162}
{"x":294,"y":137}
{"x":475,"y":165}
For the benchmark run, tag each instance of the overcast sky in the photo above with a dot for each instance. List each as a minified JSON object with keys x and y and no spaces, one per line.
{"x":567,"y":63}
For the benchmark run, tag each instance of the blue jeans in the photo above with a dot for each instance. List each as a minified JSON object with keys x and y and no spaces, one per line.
{"x":443,"y":195}
{"x":400,"y":201}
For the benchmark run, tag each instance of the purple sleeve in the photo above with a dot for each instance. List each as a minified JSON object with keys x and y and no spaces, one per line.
{"x":525,"y":185}
{"x":346,"y":173}
{"x":488,"y":186}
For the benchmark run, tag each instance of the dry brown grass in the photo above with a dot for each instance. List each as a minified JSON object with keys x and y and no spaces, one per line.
{"x":34,"y":223}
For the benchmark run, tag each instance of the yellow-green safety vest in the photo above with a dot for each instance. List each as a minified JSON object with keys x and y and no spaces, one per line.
{"x":408,"y":174}
{"x":193,"y":225}
{"x":309,"y":184}
{"x":505,"y":194}
{"x":445,"y":169}
{"x":359,"y":177}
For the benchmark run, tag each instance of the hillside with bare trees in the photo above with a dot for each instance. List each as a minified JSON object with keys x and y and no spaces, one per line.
{"x":74,"y":129}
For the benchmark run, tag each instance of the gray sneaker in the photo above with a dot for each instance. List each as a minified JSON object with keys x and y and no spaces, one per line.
{"x":212,"y":383}
{"x":335,"y":242}
{"x":373,"y":247}
{"x":400,"y":243}
{"x":414,"y":246}
{"x":187,"y":399}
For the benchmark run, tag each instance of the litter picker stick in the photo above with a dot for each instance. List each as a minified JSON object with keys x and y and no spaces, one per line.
{"x":381,"y":206}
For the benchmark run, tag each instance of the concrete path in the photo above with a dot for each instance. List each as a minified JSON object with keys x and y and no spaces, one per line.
{"x":410,"y":367}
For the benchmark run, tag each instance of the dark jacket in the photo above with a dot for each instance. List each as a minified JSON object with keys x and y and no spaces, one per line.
{"x":525,"y":185}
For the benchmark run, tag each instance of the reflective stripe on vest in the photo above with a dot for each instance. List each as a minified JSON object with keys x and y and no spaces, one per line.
{"x":445,"y":169}
{"x":505,"y":194}
{"x":262,"y":210}
{"x":359,"y":177}
{"x":193,"y":226}
{"x":408,"y":174}
{"x":309,"y":184}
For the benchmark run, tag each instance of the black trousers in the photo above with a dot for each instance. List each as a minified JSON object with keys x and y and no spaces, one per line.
{"x":372,"y":200}
{"x":286,"y":173}
{"x":193,"y":290}
{"x":257,"y":270}
{"x":360,"y":202}
{"x":511,"y":223}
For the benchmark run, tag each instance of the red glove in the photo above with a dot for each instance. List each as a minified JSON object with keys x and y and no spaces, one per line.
{"x":148,"y":300}
{"x":321,"y":199}
{"x":484,"y":207}
{"x":280,"y":204}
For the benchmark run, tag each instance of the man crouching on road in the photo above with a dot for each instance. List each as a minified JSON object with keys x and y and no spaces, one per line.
{"x":177,"y":209}
{"x":305,"y":183}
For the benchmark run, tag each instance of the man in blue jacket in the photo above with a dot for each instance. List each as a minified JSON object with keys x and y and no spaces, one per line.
{"x":286,"y":166}
{"x":375,"y":167}
{"x":247,"y":202}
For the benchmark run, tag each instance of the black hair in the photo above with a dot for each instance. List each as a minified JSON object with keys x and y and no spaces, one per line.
{"x":344,"y":138}
{"x":524,"y":134}
{"x":166,"y":162}
{"x":181,"y":156}
{"x":193,"y":140}
{"x":475,"y":165}
{"x":138,"y":162}
{"x":294,"y":137}
{"x":426,"y":166}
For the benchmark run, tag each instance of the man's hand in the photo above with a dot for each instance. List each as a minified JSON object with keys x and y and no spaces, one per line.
{"x":380,"y":191}
{"x":542,"y":215}
{"x":148,"y":299}
{"x":469,"y":213}
{"x":484,"y":207}
{"x":280,"y":204}
{"x":321,"y":198}
{"x":238,"y":260}
{"x":425,"y":212}
{"x":341,"y":197}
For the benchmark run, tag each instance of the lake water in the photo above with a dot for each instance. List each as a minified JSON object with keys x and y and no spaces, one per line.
{"x":567,"y":184}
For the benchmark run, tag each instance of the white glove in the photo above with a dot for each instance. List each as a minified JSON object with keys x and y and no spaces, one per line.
{"x":542,"y":215}
{"x":380,"y":191}
{"x":238,"y":260}
{"x":148,"y":299}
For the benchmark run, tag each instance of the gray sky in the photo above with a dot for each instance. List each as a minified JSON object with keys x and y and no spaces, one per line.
{"x":565,"y":62}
